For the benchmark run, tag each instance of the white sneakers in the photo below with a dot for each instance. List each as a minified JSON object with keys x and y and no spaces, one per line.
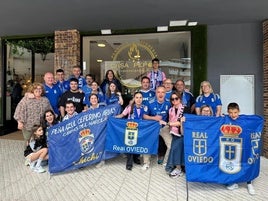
{"x":39,"y":169}
{"x":232,"y":187}
{"x":176,"y":173}
{"x":251,"y":189}
{"x":27,"y":161}
{"x":145,"y":167}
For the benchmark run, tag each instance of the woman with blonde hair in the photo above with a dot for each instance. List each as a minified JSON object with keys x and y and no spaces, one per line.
{"x":208,"y":97}
{"x":30,"y":110}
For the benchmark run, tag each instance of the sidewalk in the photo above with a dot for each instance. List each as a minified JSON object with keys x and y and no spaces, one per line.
{"x":110,"y":182}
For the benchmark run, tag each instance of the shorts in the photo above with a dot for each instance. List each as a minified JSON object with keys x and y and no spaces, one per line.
{"x":26,"y":134}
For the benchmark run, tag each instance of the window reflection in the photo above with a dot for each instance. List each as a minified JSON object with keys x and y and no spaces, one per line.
{"x":129,"y":56}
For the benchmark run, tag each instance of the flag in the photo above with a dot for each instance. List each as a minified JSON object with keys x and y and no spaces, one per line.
{"x":222,"y":150}
{"x":79,"y":141}
{"x":132,"y":136}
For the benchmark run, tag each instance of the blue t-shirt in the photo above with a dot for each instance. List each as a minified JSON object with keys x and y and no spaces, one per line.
{"x":87,"y":91}
{"x":156,"y":108}
{"x":64,"y":86}
{"x":114,"y":98}
{"x":147,"y":96}
{"x":168,"y":94}
{"x":53,"y":94}
{"x":81,"y":81}
{"x":213,"y":100}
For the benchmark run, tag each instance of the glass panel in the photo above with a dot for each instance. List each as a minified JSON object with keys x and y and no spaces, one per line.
{"x":19,"y":74}
{"x":129,"y":56}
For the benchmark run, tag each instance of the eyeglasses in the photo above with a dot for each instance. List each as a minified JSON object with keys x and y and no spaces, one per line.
{"x":172,"y":99}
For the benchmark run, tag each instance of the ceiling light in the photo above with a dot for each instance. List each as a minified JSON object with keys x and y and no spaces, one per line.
{"x":101,"y":45}
{"x":192,"y":23}
{"x":162,"y":28}
{"x":106,"y":31}
{"x":177,"y":23}
{"x":99,"y":60}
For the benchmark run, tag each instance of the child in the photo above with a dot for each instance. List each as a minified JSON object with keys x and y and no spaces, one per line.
{"x":36,"y":151}
{"x":134,"y":111}
{"x":113,"y":95}
{"x":70,"y":110}
{"x":176,"y":155}
{"x":233,"y":112}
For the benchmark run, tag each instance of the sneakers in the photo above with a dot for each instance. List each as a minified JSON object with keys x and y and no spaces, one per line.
{"x":251,"y":189}
{"x":39,"y":169}
{"x":176,"y":173}
{"x":145,"y":167}
{"x":32,"y":164}
{"x":27,"y":161}
{"x":160,"y":161}
{"x":232,"y":187}
{"x":100,"y":164}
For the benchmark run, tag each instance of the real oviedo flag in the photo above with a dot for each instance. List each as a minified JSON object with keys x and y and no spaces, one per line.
{"x":132,"y":136}
{"x":222,"y":150}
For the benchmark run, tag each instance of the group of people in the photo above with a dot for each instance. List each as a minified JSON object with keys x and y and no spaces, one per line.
{"x":158,"y":99}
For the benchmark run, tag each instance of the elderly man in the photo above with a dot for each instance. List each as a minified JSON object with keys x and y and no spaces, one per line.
{"x":52,"y":91}
{"x":187,"y":98}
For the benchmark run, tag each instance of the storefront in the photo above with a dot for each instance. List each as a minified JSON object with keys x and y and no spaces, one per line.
{"x":128,"y":54}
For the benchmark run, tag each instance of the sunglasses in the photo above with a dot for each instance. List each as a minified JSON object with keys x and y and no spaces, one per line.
{"x":172,"y":99}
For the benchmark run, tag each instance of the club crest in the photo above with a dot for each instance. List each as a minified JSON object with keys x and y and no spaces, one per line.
{"x":230,"y":149}
{"x":86,"y":141}
{"x":131,"y":134}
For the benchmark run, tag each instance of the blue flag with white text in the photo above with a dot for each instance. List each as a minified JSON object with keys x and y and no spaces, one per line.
{"x":132,"y":136}
{"x":79,"y":141}
{"x":222,"y":150}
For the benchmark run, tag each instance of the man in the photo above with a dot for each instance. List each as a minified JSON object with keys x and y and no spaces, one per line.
{"x":74,"y":95}
{"x":52,"y":92}
{"x":187,"y":98}
{"x":77,"y":74}
{"x":87,"y":88}
{"x":70,"y":110}
{"x":63,"y":84}
{"x":169,"y":86}
{"x":158,"y":111}
{"x":156,"y":76}
{"x":147,"y":93}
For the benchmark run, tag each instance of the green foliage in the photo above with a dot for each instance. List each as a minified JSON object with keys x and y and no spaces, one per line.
{"x":41,"y":46}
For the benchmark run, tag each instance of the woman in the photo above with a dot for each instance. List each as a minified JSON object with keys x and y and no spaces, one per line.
{"x":94,"y":102}
{"x":134,"y":111}
{"x":176,"y":154}
{"x":113,"y":95}
{"x":110,"y":77}
{"x":29,"y":111}
{"x":96,"y":90}
{"x":49,"y":120}
{"x":207,"y":97}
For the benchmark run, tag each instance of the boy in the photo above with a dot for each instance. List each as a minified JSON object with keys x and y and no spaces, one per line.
{"x":63,"y":84}
{"x":74,"y":95}
{"x":70,"y":110}
{"x":233,"y":112}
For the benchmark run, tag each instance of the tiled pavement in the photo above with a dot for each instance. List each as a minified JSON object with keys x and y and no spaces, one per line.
{"x":110,"y":182}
